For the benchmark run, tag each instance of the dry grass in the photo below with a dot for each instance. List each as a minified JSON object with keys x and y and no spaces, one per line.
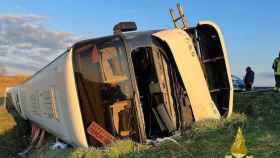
{"x":9,"y":81}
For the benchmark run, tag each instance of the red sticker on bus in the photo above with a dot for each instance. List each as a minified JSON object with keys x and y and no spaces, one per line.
{"x":100,"y":134}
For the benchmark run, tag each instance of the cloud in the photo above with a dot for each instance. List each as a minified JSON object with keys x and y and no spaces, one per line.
{"x":26,"y":45}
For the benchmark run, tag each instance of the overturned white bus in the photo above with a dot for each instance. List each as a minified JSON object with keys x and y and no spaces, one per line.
{"x":136,"y":85}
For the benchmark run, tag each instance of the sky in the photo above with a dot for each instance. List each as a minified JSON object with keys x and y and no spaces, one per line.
{"x":34,"y":32}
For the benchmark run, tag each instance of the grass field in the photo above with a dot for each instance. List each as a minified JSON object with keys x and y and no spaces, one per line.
{"x":256,"y":113}
{"x":9,"y":81}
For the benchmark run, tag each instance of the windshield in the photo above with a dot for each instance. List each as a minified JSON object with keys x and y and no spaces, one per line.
{"x":104,"y":88}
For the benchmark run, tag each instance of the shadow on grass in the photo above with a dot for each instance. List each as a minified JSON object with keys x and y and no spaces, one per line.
{"x":15,"y":138}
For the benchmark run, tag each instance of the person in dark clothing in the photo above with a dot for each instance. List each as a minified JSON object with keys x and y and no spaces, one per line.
{"x":276,"y":68}
{"x":249,"y":78}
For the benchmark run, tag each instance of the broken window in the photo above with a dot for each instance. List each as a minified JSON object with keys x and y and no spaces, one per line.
{"x":104,"y":87}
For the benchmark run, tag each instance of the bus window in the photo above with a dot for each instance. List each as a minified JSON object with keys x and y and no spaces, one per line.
{"x":104,"y":88}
